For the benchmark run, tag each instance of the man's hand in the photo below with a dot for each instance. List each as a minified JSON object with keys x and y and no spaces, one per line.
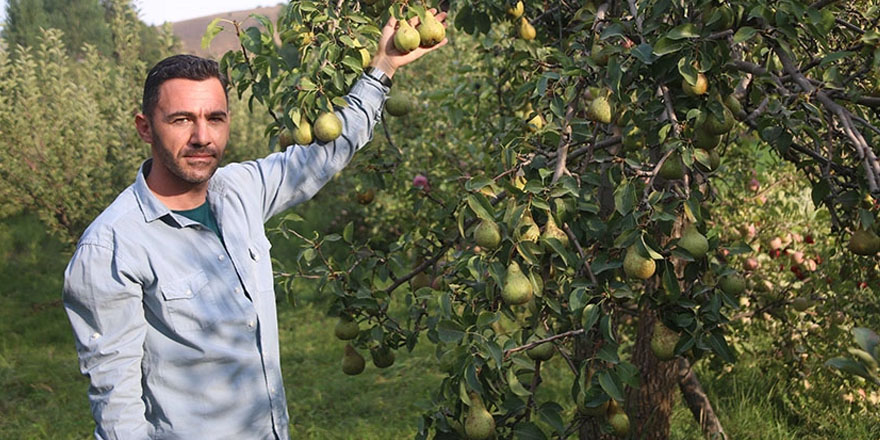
{"x":388,"y":58}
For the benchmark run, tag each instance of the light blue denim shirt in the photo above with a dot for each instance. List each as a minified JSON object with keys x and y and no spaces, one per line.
{"x":176,"y":332}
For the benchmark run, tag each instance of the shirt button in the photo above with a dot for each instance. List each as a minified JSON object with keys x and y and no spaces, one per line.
{"x":95,"y":335}
{"x":238,"y":290}
{"x":251,"y":324}
{"x":221,"y":257}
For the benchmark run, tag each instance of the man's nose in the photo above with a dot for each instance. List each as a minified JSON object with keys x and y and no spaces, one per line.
{"x":201,"y":135}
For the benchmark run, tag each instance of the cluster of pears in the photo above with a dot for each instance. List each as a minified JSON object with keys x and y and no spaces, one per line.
{"x":353,"y":363}
{"x":525,"y":30}
{"x":327,"y":127}
{"x":428,"y":33}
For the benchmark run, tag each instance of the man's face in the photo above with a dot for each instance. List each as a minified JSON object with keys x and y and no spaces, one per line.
{"x":188,"y":130}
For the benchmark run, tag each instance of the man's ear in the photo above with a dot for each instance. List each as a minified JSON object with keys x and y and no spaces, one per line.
{"x":142,"y":123}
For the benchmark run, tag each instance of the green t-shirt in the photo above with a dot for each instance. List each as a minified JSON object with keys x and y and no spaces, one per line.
{"x":203,"y":215}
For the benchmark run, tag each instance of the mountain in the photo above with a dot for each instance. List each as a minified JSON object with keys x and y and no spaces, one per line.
{"x":191,"y":31}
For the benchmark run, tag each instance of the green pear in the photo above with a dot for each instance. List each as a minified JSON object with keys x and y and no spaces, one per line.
{"x":694,"y":242}
{"x":553,"y":231}
{"x":352,"y":362}
{"x":327,"y":127}
{"x":673,"y":168}
{"x":732,"y":284}
{"x":698,"y":88}
{"x":303,"y":134}
{"x":709,"y":123}
{"x":526,"y":30}
{"x":517,"y":287}
{"x":801,"y":303}
{"x":705,"y":140}
{"x":479,"y":424}
{"x":419,"y":280}
{"x":864,"y":242}
{"x":620,"y":423}
{"x":383,"y":357}
{"x":636,"y":265}
{"x":406,"y":39}
{"x":532,"y":232}
{"x":633,"y":138}
{"x":541,"y":352}
{"x":487,"y":234}
{"x":734,"y":106}
{"x":398,"y":104}
{"x":346,"y":328}
{"x":663,"y":341}
{"x":431,"y":31}
{"x":600,"y":110}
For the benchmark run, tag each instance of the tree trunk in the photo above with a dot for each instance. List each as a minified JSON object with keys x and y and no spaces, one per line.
{"x":698,"y":402}
{"x":650,"y":405}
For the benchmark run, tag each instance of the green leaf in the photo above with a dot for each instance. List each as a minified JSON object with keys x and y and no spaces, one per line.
{"x":477,"y":203}
{"x":213,"y":29}
{"x":719,"y":346}
{"x":866,"y":338}
{"x":449,"y":331}
{"x":347,"y":232}
{"x":744,"y":33}
{"x":644,"y":52}
{"x":687,"y":30}
{"x":590,"y":316}
{"x":528,"y":431}
{"x":624,"y":197}
{"x":666,"y":46}
{"x":515,"y":386}
{"x":849,"y":366}
{"x":610,"y":384}
{"x":687,"y":70}
{"x":551,"y":413}
{"x":834,"y":56}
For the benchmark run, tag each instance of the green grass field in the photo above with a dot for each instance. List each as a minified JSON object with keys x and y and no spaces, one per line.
{"x":43,"y":396}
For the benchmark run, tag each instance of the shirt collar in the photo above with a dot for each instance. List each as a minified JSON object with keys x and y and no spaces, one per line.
{"x":151,"y":207}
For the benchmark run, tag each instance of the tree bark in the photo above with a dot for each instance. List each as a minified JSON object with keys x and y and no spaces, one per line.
{"x":698,"y":402}
{"x":650,"y":405}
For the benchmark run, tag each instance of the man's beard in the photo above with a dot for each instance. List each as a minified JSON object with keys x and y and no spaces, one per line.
{"x":177,"y":165}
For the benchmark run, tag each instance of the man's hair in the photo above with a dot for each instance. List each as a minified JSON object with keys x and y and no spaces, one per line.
{"x":178,"y":66}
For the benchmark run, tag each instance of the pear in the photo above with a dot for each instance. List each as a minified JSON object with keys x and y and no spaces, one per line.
{"x":517,"y":10}
{"x":734,"y":106}
{"x":431,"y":31}
{"x":536,"y":123}
{"x":517,"y":287}
{"x":711,"y":125}
{"x":420,"y":280}
{"x":285,"y":138}
{"x":352,"y":362}
{"x":406,"y":39}
{"x":346,"y":328}
{"x":541,"y":352}
{"x":672,"y":168}
{"x":531,"y":232}
{"x":383,"y":357}
{"x":327,"y":127}
{"x":526,"y":30}
{"x":620,"y":423}
{"x":637,"y":266}
{"x":732,"y":284}
{"x":663,"y":341}
{"x":479,"y":424}
{"x":705,"y":140}
{"x":864,"y":242}
{"x":801,"y":303}
{"x":599,"y":55}
{"x":699,"y":88}
{"x":303,"y":134}
{"x":487,"y":235}
{"x":366,"y":197}
{"x":633,"y":138}
{"x":600,"y":110}
{"x":398,"y":104}
{"x":553,"y":231}
{"x":593,"y":411}
{"x":694,"y":242}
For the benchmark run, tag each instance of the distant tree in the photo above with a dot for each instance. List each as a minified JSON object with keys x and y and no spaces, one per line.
{"x":23,"y":21}
{"x":82,"y":21}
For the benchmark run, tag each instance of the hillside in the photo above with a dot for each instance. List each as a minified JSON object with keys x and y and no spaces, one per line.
{"x":190,"y":31}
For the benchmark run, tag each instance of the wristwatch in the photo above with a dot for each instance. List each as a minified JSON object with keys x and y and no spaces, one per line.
{"x":378,"y":75}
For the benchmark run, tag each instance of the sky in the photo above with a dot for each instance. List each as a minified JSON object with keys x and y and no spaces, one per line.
{"x":159,"y":11}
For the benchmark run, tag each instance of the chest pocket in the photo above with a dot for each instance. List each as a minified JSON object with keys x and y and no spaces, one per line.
{"x":188,"y":305}
{"x":258,"y":252}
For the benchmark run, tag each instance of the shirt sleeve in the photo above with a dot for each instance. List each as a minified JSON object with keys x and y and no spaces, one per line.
{"x":294,"y":175}
{"x":104,"y":305}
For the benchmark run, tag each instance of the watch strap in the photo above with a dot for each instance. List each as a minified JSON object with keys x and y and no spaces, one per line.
{"x":378,"y":75}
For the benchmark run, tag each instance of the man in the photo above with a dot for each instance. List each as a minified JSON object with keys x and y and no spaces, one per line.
{"x":170,"y":291}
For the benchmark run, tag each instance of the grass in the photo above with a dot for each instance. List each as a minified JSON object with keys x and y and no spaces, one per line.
{"x":43,"y":395}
